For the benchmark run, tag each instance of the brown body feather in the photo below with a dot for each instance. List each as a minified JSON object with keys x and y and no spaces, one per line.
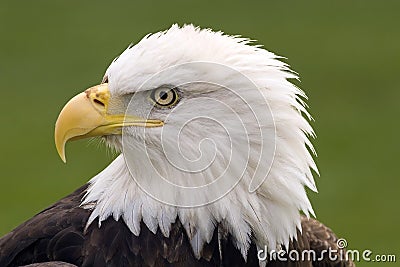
{"x":57,"y":235}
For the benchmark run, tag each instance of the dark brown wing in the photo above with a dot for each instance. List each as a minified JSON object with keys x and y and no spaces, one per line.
{"x":321,"y":239}
{"x":311,"y":249}
{"x":54,"y":234}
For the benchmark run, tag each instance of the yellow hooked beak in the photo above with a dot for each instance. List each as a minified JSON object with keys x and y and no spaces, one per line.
{"x":86,"y":115}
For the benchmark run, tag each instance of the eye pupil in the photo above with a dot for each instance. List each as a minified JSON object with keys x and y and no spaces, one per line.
{"x":163,"y":95}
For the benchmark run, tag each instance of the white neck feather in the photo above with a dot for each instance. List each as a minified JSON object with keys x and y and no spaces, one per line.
{"x":270,"y":216}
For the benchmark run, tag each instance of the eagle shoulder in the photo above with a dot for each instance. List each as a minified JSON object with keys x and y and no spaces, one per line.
{"x":55,"y":233}
{"x":321,"y":239}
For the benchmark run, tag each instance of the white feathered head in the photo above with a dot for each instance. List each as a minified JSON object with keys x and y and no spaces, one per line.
{"x":211,"y":132}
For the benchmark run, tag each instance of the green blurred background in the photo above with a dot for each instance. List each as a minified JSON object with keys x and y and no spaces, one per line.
{"x":346,"y":52}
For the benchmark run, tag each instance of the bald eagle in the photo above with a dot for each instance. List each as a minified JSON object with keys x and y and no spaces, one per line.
{"x":214,"y":161}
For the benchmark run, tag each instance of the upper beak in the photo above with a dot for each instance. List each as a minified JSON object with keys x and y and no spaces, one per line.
{"x":86,"y":115}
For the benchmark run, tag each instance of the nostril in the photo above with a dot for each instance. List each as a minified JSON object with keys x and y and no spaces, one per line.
{"x":98,"y":102}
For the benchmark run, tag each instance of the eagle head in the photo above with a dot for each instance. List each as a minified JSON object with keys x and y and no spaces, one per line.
{"x":210,"y":132}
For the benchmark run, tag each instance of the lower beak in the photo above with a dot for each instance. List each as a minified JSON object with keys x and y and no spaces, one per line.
{"x":86,"y":115}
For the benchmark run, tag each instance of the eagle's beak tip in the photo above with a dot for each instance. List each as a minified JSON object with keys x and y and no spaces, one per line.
{"x":61,"y":153}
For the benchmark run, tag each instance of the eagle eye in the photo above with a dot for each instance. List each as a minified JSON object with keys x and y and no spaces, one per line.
{"x":164,"y":96}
